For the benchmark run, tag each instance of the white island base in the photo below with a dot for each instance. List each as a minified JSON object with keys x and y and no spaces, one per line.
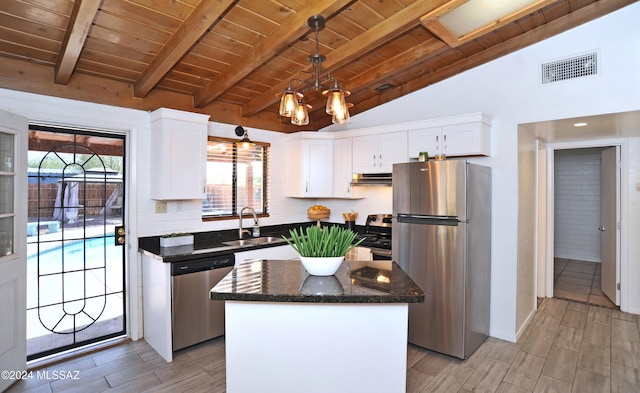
{"x":316,"y":347}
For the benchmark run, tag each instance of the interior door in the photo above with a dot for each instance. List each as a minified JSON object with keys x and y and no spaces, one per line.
{"x":13,"y":249}
{"x":609,"y":225}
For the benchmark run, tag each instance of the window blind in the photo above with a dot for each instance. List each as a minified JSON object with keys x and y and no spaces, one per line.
{"x":237,"y":176}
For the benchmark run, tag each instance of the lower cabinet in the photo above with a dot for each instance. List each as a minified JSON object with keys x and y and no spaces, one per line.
{"x":156,"y":305}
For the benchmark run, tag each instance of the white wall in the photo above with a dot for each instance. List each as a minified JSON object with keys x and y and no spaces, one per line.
{"x":507,"y":89}
{"x":577,"y":204}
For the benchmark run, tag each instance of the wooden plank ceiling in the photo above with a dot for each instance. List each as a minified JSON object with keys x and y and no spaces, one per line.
{"x":229,"y":58}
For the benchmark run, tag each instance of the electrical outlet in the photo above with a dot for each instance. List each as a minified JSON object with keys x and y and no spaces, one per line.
{"x":161,"y":207}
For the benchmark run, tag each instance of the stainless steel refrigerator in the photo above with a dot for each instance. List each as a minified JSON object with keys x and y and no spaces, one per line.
{"x":441,"y":236}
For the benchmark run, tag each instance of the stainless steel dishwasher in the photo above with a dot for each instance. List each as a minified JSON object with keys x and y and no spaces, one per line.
{"x":195,"y":318}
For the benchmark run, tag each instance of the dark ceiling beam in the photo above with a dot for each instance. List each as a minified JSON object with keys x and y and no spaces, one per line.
{"x":82,"y":15}
{"x":197,"y":23}
{"x":378,"y":35}
{"x":292,"y":29}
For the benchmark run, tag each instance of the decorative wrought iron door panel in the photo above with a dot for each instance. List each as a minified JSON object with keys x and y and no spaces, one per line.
{"x":75,"y":270}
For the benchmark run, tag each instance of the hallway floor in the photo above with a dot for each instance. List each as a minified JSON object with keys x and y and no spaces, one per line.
{"x":567,"y":347}
{"x":579,"y":281}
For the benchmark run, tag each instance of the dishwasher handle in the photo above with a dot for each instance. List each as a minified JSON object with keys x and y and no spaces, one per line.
{"x":202,"y":264}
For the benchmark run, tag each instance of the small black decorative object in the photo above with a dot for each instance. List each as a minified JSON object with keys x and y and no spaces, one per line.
{"x":240,"y":131}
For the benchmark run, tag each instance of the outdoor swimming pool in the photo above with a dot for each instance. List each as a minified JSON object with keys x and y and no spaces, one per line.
{"x":73,"y":284}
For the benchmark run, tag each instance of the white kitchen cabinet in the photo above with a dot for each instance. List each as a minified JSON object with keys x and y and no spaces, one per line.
{"x":178,"y":154}
{"x":467,"y":139}
{"x":343,"y":170}
{"x":156,"y":305}
{"x":377,"y":153}
{"x":309,"y":168}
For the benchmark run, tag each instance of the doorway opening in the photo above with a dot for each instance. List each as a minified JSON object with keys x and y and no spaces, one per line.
{"x":75,"y":266}
{"x":585,"y":196}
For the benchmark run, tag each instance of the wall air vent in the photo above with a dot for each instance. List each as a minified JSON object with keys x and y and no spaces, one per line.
{"x":569,"y":68}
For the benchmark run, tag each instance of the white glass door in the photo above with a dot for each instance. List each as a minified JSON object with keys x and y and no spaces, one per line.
{"x":13,"y":149}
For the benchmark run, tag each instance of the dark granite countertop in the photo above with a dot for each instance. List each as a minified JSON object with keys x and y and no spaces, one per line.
{"x":211,"y":244}
{"x":288,"y":281}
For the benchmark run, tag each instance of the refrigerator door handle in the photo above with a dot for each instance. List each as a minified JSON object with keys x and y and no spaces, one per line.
{"x":428,"y":220}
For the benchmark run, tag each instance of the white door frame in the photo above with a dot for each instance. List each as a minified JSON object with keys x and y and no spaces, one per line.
{"x":133,"y":282}
{"x":546,"y":290}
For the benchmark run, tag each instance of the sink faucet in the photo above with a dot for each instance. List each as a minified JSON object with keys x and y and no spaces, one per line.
{"x":255,"y":221}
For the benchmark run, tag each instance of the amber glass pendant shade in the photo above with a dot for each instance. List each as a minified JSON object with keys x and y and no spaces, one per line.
{"x":288,"y":103}
{"x":341,"y":117}
{"x":335,"y":102}
{"x":301,"y":115}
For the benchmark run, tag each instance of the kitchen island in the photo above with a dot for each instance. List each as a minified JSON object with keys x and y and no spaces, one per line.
{"x":287,"y":331}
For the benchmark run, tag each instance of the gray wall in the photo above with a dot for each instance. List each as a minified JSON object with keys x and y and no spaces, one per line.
{"x":577,"y":203}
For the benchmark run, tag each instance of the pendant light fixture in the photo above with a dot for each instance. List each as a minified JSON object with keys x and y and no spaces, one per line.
{"x":292,"y":102}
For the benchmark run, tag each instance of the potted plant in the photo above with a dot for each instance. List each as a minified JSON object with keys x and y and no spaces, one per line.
{"x":322,"y":250}
{"x":176,"y":239}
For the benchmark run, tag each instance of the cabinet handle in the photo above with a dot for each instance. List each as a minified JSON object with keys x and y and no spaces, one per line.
{"x":306,"y":187}
{"x":437,"y":142}
{"x":348,"y":187}
{"x":444,"y":141}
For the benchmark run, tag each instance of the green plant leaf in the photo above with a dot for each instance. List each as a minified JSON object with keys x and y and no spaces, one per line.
{"x":313,"y":241}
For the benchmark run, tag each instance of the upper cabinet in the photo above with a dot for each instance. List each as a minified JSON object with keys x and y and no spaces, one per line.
{"x":309,"y":168}
{"x":467,"y":135}
{"x":178,"y":154}
{"x":343,"y":170}
{"x":377,"y":153}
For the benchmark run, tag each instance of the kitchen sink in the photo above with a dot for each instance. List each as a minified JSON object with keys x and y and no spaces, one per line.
{"x":237,"y":243}
{"x":254,"y":241}
{"x":266,"y":239}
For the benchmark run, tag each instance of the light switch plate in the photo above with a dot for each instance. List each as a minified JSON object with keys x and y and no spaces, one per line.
{"x":161,"y":207}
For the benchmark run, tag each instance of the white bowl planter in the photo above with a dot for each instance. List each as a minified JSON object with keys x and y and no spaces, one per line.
{"x":174,"y":241}
{"x":321,"y":266}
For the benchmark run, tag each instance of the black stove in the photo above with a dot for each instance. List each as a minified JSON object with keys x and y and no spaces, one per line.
{"x":377,"y":235}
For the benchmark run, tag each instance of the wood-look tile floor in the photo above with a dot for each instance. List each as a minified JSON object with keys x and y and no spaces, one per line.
{"x":579,"y":281}
{"x":568,"y":347}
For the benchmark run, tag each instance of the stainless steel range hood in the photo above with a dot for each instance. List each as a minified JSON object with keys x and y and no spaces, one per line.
{"x":371,"y":179}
